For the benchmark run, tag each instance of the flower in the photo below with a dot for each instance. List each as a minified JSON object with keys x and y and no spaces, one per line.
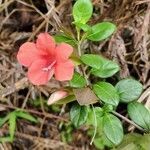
{"x":56,"y":96}
{"x":45,"y":59}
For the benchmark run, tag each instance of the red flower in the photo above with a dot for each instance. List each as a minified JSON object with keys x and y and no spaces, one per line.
{"x":44,"y":58}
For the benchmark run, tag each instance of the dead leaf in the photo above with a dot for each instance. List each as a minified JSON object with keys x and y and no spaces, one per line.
{"x":85,"y":96}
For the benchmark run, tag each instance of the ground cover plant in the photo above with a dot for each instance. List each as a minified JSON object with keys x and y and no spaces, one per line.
{"x":82,"y":89}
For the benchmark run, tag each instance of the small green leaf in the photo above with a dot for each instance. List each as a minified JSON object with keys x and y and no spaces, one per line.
{"x":26,"y":116}
{"x":78,"y":81}
{"x":106,"y":69}
{"x":82,"y":26}
{"x":5,"y":139}
{"x":98,"y":112}
{"x":66,"y":100}
{"x":139,"y":114}
{"x":78,"y":114}
{"x":12,"y":125}
{"x":106,"y":92}
{"x":92,"y":60}
{"x":4,"y":120}
{"x":82,"y":11}
{"x":129,"y":90}
{"x":113,"y":128}
{"x":62,"y":38}
{"x":101,"y":31}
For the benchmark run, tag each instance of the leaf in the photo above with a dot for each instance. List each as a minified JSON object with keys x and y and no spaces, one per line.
{"x":134,"y":141}
{"x":82,"y":26}
{"x":99,"y":113}
{"x":62,"y":38}
{"x":106,"y":92}
{"x":3,"y":120}
{"x":129,"y":90}
{"x":76,"y":61}
{"x":101,"y":141}
{"x":139,"y":114}
{"x":112,"y":128}
{"x":101,"y":31}
{"x":78,"y":114}
{"x":12,"y":125}
{"x":85,"y":96}
{"x":66,"y":100}
{"x":82,"y":11}
{"x":92,"y":60}
{"x":26,"y":116}
{"x":5,"y":139}
{"x":106,"y":69}
{"x":78,"y":81}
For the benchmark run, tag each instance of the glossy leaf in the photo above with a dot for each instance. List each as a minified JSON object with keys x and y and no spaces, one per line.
{"x":139,"y":114}
{"x":82,"y":11}
{"x":92,"y":60}
{"x":78,"y":81}
{"x":106,"y":92}
{"x":113,"y":128}
{"x":129,"y":90}
{"x":82,"y":26}
{"x":101,"y":31}
{"x":78,"y":114}
{"x":62,"y":38}
{"x":98,"y":112}
{"x":106,"y":69}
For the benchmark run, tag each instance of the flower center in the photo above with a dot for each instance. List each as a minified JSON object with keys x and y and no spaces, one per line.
{"x":50,"y":66}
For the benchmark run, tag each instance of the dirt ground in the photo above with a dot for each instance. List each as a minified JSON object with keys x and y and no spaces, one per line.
{"x":22,"y":21}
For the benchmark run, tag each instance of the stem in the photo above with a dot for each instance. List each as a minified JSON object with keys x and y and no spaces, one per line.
{"x":128,"y":120}
{"x":95,"y":123}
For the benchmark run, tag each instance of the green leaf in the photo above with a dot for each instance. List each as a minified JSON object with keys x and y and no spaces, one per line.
{"x":82,"y":11}
{"x":101,"y":31}
{"x":26,"y":116}
{"x":78,"y":114}
{"x":82,"y":26}
{"x":129,"y":90}
{"x":106,"y":92}
{"x":106,"y":69}
{"x":112,"y":128}
{"x":78,"y":81}
{"x":99,"y":113}
{"x":66,"y":100}
{"x":62,"y":38}
{"x":5,"y":139}
{"x":92,"y":60}
{"x":101,"y":66}
{"x":101,"y":141}
{"x":4,"y":120}
{"x":134,"y":141}
{"x":139,"y":114}
{"x":12,"y":125}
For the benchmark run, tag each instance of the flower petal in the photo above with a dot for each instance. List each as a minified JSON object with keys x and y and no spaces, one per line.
{"x":28,"y":53}
{"x":64,"y":71}
{"x":56,"y":96}
{"x":37,"y":75}
{"x":63,"y":51}
{"x":46,"y":43}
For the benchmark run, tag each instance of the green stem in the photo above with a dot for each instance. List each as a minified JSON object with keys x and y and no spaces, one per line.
{"x":95,"y":125}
